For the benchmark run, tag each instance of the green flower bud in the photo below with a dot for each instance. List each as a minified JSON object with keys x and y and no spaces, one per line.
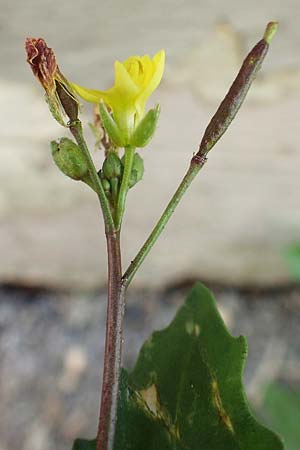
{"x":106,"y":185}
{"x":69,"y":159}
{"x":137,"y":170}
{"x":146,"y":128}
{"x":112,"y":166}
{"x":110,"y":126}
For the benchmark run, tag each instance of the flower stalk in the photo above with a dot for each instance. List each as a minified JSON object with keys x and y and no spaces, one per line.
{"x":122,"y":111}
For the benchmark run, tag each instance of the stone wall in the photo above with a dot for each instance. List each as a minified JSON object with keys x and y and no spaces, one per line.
{"x":242,"y":211}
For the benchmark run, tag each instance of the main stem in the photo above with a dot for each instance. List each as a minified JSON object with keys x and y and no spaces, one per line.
{"x":114,"y":320}
{"x":117,"y":286}
{"x":113,"y":345}
{"x":115,"y":308}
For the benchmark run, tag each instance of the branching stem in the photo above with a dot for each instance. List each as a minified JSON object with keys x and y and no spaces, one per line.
{"x":195,"y":166}
{"x":76,"y":130}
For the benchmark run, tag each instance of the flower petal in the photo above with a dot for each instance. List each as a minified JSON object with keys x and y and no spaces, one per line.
{"x":121,"y":97}
{"x":158,"y":70}
{"x":90,"y":95}
{"x":124,"y":84}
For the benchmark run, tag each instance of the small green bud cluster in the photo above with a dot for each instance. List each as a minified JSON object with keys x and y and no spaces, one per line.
{"x":112,"y":173}
{"x":69,"y":159}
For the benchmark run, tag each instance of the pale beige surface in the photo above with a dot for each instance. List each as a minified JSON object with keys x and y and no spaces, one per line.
{"x":242,"y":211}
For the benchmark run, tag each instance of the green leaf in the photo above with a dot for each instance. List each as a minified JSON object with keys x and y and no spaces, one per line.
{"x":137,"y":427}
{"x":186,"y":392}
{"x":83,"y":444}
{"x":282,"y":409}
{"x":292,"y":257}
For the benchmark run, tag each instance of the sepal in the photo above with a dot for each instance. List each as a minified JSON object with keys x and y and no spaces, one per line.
{"x":111,"y":127}
{"x":145,"y":130}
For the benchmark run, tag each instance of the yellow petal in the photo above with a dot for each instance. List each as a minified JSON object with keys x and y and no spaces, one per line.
{"x":132,"y":66}
{"x":158,"y":70}
{"x":147,"y":69}
{"x":123,"y":81}
{"x":90,"y":95}
{"x":139,"y":69}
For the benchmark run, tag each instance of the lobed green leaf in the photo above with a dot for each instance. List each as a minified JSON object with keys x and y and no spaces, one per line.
{"x":186,"y":391}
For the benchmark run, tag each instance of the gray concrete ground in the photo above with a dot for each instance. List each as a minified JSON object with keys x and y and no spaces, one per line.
{"x":51,"y":351}
{"x":243,"y":210}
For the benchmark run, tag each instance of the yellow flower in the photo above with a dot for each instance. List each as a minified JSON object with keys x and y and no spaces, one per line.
{"x":135,"y":80}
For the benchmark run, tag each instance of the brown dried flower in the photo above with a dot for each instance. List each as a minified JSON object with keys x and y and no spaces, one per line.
{"x":59,"y":94}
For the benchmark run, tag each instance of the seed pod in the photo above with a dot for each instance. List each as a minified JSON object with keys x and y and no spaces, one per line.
{"x":69,"y":159}
{"x":236,"y":94}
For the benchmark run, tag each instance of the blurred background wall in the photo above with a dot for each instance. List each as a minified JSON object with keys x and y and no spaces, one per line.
{"x":236,"y":225}
{"x":243,"y":210}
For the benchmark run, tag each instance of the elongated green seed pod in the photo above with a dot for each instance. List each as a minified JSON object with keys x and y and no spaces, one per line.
{"x":236,"y":94}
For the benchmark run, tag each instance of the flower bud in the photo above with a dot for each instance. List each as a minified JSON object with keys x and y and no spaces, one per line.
{"x":106,"y":185}
{"x":137,"y":170}
{"x":144,"y":132}
{"x":69,"y":159}
{"x":112,"y":166}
